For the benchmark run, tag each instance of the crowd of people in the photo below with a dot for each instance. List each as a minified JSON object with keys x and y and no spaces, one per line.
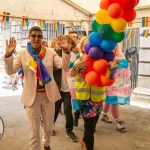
{"x":52,"y":75}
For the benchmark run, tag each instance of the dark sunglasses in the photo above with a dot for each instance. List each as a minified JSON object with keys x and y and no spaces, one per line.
{"x":38,"y":36}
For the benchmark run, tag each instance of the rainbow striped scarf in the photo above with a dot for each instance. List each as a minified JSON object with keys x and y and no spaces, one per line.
{"x":36,"y":65}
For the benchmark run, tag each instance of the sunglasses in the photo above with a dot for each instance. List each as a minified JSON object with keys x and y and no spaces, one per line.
{"x":39,"y":36}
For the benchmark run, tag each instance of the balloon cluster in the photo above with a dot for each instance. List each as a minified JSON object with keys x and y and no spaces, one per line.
{"x":108,"y":30}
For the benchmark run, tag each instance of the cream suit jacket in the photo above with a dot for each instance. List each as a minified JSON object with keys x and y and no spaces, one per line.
{"x":51,"y":58}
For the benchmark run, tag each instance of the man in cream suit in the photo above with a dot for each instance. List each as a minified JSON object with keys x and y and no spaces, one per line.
{"x":40,"y":90}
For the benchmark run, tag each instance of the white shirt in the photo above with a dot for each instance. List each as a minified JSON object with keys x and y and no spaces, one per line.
{"x":64,"y":83}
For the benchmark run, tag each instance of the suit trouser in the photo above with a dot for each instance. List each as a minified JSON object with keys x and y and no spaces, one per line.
{"x":40,"y":108}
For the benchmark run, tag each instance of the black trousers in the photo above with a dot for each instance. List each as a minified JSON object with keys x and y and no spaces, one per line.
{"x":89,"y":128}
{"x":77,"y":114}
{"x":89,"y":123}
{"x":66,"y":99}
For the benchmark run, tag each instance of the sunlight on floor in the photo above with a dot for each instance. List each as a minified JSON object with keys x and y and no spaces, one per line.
{"x":140,"y":104}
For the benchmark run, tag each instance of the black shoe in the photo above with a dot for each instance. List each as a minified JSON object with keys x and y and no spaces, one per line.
{"x":75,"y":121}
{"x":71,"y":136}
{"x":47,"y":148}
{"x":53,"y":133}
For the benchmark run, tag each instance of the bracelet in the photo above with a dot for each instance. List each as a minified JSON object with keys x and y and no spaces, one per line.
{"x":75,"y":67}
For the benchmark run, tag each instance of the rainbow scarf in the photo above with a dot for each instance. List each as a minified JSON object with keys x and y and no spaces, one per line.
{"x":36,"y":65}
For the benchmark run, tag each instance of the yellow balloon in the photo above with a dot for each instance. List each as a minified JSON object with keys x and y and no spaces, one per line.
{"x":102,"y":17}
{"x":119,"y":25}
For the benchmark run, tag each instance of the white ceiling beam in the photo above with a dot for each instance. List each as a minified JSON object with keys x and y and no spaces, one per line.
{"x":143,"y":7}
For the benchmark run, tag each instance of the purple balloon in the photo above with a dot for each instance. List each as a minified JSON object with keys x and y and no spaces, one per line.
{"x":109,"y":56}
{"x":95,"y":53}
{"x":87,"y":47}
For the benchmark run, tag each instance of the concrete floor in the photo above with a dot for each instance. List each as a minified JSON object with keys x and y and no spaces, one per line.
{"x":107,"y":137}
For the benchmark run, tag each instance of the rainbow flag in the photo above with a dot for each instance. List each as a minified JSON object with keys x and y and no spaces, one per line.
{"x":5,"y":18}
{"x":128,"y":34}
{"x":72,"y":25}
{"x":145,"y":21}
{"x":110,"y":73}
{"x":130,"y":24}
{"x":25,"y":21}
{"x":56,"y":25}
{"x":42,"y":23}
{"x":145,"y":33}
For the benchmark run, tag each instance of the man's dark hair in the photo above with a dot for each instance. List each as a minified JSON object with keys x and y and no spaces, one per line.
{"x":71,"y":32}
{"x":35,"y":28}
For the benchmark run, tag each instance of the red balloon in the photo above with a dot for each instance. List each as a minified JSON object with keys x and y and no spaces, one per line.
{"x":137,"y":1}
{"x":128,"y":4}
{"x":100,"y":66}
{"x":115,"y":1}
{"x":89,"y":67}
{"x":91,"y":78}
{"x":129,"y":15}
{"x":99,"y":82}
{"x":107,"y":81}
{"x":115,"y":10}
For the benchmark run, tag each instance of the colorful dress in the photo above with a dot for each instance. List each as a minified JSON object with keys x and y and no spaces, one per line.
{"x":120,"y":91}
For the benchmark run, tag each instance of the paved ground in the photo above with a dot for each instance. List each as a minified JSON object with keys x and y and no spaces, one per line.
{"x":107,"y":137}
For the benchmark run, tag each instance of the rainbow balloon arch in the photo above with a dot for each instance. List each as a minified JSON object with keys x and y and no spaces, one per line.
{"x":108,"y":30}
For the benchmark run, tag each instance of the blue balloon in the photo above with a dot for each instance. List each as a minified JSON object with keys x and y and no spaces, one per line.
{"x":95,"y":39}
{"x":95,"y":53}
{"x":108,"y":45}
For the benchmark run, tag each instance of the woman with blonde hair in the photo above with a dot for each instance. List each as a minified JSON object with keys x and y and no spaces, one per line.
{"x":81,"y":44}
{"x":53,"y":44}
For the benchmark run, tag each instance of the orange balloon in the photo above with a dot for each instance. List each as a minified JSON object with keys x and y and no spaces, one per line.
{"x":100,"y":66}
{"x":129,"y":15}
{"x":104,"y":4}
{"x":115,"y":10}
{"x":91,"y":78}
{"x":107,"y":81}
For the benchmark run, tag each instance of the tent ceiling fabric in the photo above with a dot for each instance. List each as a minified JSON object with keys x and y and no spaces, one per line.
{"x":91,"y":6}
{"x":54,"y":9}
{"x":42,"y":9}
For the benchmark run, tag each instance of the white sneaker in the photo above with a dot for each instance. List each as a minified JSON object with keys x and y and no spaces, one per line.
{"x":105,"y":118}
{"x":120,"y":125}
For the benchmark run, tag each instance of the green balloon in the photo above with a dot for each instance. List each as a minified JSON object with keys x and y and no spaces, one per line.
{"x":105,"y":31}
{"x":95,"y":26}
{"x":118,"y":37}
